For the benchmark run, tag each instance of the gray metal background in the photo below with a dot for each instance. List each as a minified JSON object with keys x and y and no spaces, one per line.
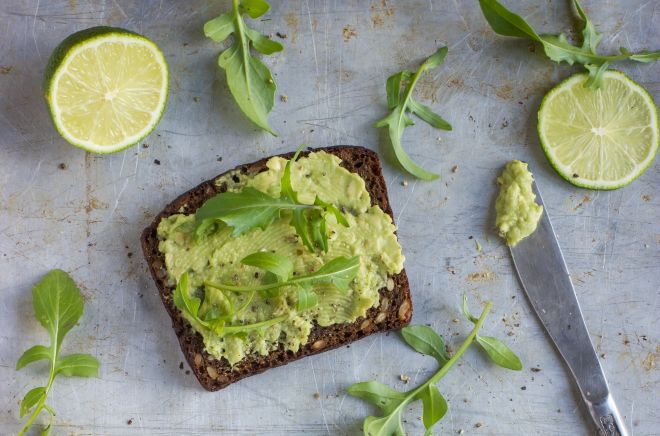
{"x":88,"y":217}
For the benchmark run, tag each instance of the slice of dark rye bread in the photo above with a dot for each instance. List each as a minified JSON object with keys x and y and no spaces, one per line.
{"x":394,"y":311}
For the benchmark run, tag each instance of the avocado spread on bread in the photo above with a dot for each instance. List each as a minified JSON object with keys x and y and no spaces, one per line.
{"x":217,"y":258}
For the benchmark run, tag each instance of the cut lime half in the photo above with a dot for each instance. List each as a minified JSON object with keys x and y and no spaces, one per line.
{"x":106,"y":88}
{"x":599,"y":139}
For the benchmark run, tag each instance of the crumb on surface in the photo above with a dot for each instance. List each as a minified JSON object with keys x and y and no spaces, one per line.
{"x":156,"y":161}
{"x":404,"y":378}
{"x":317,"y":395}
{"x":62,"y":166}
{"x":349,"y":32}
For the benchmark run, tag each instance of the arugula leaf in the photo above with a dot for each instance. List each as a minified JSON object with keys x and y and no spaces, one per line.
{"x":424,"y":340}
{"x":392,"y":403}
{"x":274,"y":263}
{"x":245,"y":210}
{"x":182,"y":298}
{"x":38,"y":352}
{"x":378,"y":394}
{"x":466,"y":311}
{"x":339,"y":272}
{"x":282,"y":268}
{"x":31,"y":399}
{"x":310,"y":225}
{"x":499,"y":353}
{"x":251,"y":208}
{"x":557,"y":47}
{"x":58,"y":305}
{"x":78,"y":365}
{"x":213,"y":321}
{"x":387,"y":425}
{"x":399,"y":89}
{"x":249,"y":80}
{"x":307,"y":299}
{"x":435,"y":406}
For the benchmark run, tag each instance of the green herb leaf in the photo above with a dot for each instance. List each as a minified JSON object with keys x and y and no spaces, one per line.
{"x":249,"y":80}
{"x":213,"y":321}
{"x":182,"y":298}
{"x":466,"y":310}
{"x":378,"y":394}
{"x":401,"y":103}
{"x":245,"y":210}
{"x":78,"y":365}
{"x":590,"y":37}
{"x":426,"y":341}
{"x":254,"y":8}
{"x":307,"y":299}
{"x":38,"y":352}
{"x":435,"y":406}
{"x":250,"y":208}
{"x":426,"y":114}
{"x":392,"y":403}
{"x":31,"y":399}
{"x":274,"y":263}
{"x":339,"y":272}
{"x":385,"y":426}
{"x":499,"y":353}
{"x":58,"y":305}
{"x":310,"y":224}
{"x":286,"y":189}
{"x":557,"y":47}
{"x":645,"y":56}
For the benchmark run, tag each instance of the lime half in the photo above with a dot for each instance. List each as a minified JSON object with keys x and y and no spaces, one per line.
{"x":106,"y":88}
{"x":599,"y":139}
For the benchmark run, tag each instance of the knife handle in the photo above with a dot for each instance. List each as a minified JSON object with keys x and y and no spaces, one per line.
{"x":607,"y":417}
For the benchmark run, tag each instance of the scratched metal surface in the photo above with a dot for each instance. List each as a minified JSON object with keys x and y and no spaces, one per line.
{"x":87,"y":217}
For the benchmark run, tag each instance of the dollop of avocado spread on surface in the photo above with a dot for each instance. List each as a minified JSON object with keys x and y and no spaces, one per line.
{"x":517,"y":213}
{"x":216,"y":258}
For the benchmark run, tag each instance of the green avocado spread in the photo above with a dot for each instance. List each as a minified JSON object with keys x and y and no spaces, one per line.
{"x":216,"y":258}
{"x":517,"y":213}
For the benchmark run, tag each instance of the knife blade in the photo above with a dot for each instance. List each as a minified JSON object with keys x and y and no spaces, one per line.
{"x":542,"y":271}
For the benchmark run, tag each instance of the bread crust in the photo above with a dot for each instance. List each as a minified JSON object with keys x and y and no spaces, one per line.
{"x":394,"y":311}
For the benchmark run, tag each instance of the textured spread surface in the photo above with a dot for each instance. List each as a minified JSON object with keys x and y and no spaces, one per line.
{"x":394,"y":311}
{"x":87,"y":218}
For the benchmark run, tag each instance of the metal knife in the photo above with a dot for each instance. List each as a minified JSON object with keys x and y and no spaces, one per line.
{"x":544,"y":277}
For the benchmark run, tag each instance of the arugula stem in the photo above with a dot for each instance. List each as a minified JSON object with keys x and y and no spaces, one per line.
{"x":258,"y":288}
{"x":466,"y":344}
{"x":408,"y":94}
{"x":445,"y":368}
